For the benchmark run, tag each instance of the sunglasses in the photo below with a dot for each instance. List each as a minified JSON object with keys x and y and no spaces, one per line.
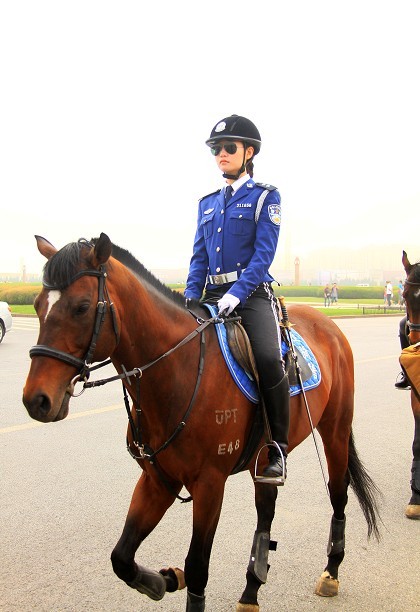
{"x":229,"y":147}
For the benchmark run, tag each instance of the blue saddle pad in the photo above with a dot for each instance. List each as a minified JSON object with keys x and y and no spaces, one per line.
{"x":244,"y":380}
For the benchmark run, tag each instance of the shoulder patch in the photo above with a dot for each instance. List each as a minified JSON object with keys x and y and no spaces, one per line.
{"x":210,"y":194}
{"x":266,"y":186}
{"x":274,"y":212}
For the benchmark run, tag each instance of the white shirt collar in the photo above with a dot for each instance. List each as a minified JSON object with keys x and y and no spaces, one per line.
{"x":239,"y":182}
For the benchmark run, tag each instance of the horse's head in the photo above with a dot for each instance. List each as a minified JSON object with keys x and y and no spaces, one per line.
{"x":411,"y":296}
{"x":75,"y":329}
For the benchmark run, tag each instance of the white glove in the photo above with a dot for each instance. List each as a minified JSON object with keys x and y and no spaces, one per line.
{"x":227,"y":303}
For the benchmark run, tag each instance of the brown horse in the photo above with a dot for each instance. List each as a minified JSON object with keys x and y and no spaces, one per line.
{"x":189,"y":422}
{"x":411,"y":296}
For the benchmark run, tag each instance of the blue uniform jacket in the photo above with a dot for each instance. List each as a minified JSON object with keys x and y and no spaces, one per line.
{"x":228,"y":238}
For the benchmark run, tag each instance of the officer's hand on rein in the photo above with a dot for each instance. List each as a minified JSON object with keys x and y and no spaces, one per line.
{"x":227,"y":303}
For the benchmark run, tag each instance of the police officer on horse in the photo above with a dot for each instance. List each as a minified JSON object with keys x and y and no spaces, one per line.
{"x":235,"y":243}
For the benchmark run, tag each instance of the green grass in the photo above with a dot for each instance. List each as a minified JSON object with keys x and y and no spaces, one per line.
{"x":340,"y":311}
{"x":19,"y":309}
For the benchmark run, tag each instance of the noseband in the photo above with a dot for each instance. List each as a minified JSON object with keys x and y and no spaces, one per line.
{"x":82,"y":364}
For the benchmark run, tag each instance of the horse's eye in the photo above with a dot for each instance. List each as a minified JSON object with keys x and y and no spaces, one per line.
{"x":82,"y":308}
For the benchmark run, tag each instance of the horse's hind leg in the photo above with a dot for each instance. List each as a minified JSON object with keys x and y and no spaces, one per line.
{"x":336,"y":451}
{"x":413,"y":509}
{"x":344,"y":467}
{"x":149,"y":503}
{"x":256,"y":575}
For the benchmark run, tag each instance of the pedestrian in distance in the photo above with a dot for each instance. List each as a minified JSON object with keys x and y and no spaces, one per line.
{"x":327,"y":296}
{"x":400,"y":293}
{"x":389,"y":293}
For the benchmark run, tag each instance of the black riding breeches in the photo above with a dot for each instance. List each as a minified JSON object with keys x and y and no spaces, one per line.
{"x":260,"y":318}
{"x":403,"y":333}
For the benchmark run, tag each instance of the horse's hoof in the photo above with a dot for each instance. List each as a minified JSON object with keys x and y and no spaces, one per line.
{"x":413,"y":511}
{"x":247,"y":607}
{"x":148,"y":582}
{"x":174,"y":575}
{"x":327,"y":586}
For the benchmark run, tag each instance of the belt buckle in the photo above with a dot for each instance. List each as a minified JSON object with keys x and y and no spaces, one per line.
{"x":218,"y":280}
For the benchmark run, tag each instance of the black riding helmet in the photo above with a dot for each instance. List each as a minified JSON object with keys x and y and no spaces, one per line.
{"x":239,"y":128}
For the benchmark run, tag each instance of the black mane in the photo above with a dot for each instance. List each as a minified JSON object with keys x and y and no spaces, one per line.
{"x":128,"y":260}
{"x":414,"y":275}
{"x":60,"y":269}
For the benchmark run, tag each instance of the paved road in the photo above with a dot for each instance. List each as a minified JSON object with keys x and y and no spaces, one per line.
{"x":65,"y":490}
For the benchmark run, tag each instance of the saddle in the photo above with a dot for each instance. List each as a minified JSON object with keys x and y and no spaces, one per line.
{"x":241,"y":349}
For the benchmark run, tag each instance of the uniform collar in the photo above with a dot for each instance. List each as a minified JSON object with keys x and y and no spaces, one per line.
{"x":239,"y":182}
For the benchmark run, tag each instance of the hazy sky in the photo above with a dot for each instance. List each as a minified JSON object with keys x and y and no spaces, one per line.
{"x":105,"y":107}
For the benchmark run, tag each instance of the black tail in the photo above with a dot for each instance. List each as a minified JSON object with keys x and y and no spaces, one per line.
{"x":365,"y":489}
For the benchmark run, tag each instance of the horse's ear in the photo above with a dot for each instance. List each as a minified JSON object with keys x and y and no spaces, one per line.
{"x":44,"y":247}
{"x":103,"y":249}
{"x":407,"y":265}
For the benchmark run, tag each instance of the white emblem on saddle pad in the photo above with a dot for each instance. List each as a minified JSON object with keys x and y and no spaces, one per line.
{"x":220,"y":126}
{"x":208,"y":211}
{"x":274,"y":212}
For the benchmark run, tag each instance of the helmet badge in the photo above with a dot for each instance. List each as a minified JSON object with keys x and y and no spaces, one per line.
{"x":220,"y":126}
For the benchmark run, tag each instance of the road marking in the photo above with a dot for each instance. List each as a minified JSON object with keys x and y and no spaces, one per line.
{"x":78,"y":415}
{"x":376,"y":359}
{"x":75,"y":415}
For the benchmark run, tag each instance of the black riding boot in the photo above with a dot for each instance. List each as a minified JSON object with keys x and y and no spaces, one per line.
{"x":277,"y":400}
{"x":402,"y":381}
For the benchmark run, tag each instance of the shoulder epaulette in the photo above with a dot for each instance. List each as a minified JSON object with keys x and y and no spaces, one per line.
{"x":210,"y":194}
{"x":266,"y":186}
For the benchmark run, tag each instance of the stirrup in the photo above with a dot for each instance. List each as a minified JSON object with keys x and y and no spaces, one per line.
{"x":279,"y":480}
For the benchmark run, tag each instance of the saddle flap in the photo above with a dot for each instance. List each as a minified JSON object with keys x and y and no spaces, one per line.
{"x":240,"y":347}
{"x":305,"y":370}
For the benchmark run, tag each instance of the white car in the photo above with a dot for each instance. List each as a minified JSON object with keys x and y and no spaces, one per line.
{"x":5,"y":319}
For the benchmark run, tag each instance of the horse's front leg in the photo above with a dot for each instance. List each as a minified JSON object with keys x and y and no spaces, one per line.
{"x":207,"y":504}
{"x":256,"y":575}
{"x":149,"y":503}
{"x":413,"y":509}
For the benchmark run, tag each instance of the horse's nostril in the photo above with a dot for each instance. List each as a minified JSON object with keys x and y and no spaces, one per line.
{"x":38,"y":407}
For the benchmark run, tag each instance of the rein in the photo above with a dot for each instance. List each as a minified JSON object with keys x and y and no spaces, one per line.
{"x":85,"y":368}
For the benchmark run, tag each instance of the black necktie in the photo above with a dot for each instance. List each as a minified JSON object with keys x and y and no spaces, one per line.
{"x":228,"y":193}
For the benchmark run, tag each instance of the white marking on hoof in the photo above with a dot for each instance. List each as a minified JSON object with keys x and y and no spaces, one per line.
{"x":327,"y":586}
{"x":179,"y":573}
{"x":413,"y":511}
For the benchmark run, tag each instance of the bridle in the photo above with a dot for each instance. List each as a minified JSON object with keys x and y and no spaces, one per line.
{"x":83,"y":365}
{"x":413,"y":326}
